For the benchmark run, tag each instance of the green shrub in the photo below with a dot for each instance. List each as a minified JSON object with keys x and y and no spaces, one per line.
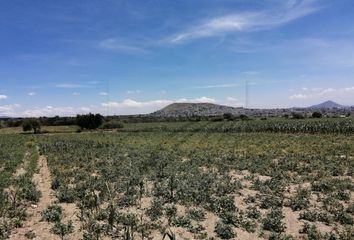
{"x":301,"y":200}
{"x":112,"y":125}
{"x":62,"y":229}
{"x":311,"y":232}
{"x":253,"y":212}
{"x":30,"y":235}
{"x":66,"y":194}
{"x":224,"y":231}
{"x":196,"y":214}
{"x":155,"y":210}
{"x":52,"y":213}
{"x":273,"y":221}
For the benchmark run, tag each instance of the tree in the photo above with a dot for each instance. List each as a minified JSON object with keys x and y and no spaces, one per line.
{"x":316,"y":115}
{"x":62,"y":229}
{"x":228,"y":116}
{"x":89,"y":121}
{"x":31,"y":124}
{"x":297,"y":116}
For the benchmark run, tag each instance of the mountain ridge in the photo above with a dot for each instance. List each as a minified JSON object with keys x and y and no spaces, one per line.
{"x":327,"y":105}
{"x":212,"y":109}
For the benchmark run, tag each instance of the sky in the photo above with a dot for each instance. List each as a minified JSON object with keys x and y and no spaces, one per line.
{"x":136,"y":56}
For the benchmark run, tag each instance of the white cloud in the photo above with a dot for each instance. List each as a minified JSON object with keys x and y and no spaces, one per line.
{"x":129,"y":103}
{"x":31,"y":94}
{"x":9,"y":110}
{"x":70,"y":85}
{"x":133,"y":92}
{"x":119,"y":45}
{"x":349,"y":89}
{"x":240,"y":22}
{"x":313,"y":93}
{"x":103,"y":93}
{"x":226,"y":85}
{"x":85,"y":109}
{"x":3,"y":97}
{"x":133,"y":106}
{"x":231,"y":99}
{"x":53,"y":111}
{"x":204,"y":100}
{"x":298,"y":96}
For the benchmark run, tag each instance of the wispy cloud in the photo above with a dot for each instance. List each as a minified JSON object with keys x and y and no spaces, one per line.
{"x":226,"y":85}
{"x":31,"y":94}
{"x":53,"y":111}
{"x":116,"y":44}
{"x":70,"y":85}
{"x":9,"y":110}
{"x":310,"y":93}
{"x":248,"y":21}
{"x":130,"y":103}
{"x":133,"y":92}
{"x":103,"y":94}
{"x":3,"y":97}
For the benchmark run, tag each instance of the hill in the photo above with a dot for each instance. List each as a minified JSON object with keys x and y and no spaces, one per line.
{"x":328,"y":105}
{"x":209,"y":109}
{"x":196,"y":109}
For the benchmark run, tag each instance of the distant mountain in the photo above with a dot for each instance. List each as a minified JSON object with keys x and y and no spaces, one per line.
{"x":196,"y":109}
{"x":210,"y":109}
{"x":328,"y":105}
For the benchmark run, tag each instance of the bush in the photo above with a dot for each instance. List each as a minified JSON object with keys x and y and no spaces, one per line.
{"x":228,"y":116}
{"x":112,"y":125}
{"x":155,"y":211}
{"x":252,"y":212}
{"x":224,"y":231}
{"x":31,"y":124}
{"x":297,"y":116}
{"x":301,"y":200}
{"x":65,"y":194}
{"x":89,"y":121}
{"x":30,"y":235}
{"x":196,"y":214}
{"x":28,"y":189}
{"x":316,"y":115}
{"x":344,"y":218}
{"x":52,"y":213}
{"x":311,"y":232}
{"x":273,"y":221}
{"x":62,"y":229}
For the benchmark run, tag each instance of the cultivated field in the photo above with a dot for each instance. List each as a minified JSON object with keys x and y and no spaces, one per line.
{"x":186,"y":180}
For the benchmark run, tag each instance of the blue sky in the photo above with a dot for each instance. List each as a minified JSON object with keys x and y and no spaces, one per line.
{"x":129,"y":56}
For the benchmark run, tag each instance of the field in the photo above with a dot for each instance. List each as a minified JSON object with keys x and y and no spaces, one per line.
{"x":189,"y":180}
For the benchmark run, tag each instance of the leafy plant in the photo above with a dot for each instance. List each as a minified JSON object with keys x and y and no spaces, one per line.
{"x":52,"y":213}
{"x":273,"y":221}
{"x":224,"y":231}
{"x":62,"y":229}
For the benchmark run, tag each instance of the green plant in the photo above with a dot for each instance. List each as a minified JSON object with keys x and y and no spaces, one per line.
{"x":30,"y":235}
{"x":301,"y":200}
{"x":196,"y":214}
{"x":311,"y":232}
{"x":273,"y":221}
{"x":62,"y":229}
{"x":155,"y":210}
{"x":52,"y":213}
{"x":224,"y":231}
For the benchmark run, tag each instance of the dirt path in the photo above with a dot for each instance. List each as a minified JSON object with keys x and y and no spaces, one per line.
{"x":41,"y":229}
{"x":34,"y":223}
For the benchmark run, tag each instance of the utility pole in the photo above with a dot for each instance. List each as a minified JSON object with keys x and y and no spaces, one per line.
{"x":246,"y":93}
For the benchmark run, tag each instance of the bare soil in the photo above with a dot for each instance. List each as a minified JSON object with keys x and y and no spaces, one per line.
{"x":34,"y":224}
